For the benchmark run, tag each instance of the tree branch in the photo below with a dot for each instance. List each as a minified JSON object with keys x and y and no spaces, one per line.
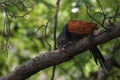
{"x":56,"y":57}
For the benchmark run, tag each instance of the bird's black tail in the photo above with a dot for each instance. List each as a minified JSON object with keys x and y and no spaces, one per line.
{"x":98,"y":57}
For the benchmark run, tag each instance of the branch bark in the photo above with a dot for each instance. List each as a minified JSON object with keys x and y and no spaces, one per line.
{"x":48,"y":59}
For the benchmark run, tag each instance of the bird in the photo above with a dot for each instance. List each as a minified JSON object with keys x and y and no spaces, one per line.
{"x":78,"y":29}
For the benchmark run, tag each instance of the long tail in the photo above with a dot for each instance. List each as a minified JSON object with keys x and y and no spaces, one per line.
{"x":98,"y":57}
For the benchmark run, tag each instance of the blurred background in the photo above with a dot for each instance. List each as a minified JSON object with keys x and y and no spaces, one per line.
{"x":23,"y":36}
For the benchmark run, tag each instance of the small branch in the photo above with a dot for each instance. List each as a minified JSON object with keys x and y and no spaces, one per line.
{"x":46,"y":26}
{"x":103,"y":13}
{"x":55,"y":29}
{"x":56,"y":21}
{"x":100,"y":6}
{"x":56,"y":57}
{"x":93,"y":17}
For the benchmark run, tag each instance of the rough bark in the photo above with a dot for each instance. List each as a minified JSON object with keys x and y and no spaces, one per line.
{"x":56,"y":57}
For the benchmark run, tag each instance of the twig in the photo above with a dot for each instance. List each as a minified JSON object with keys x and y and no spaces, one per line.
{"x":93,"y":17}
{"x":38,"y":29}
{"x":46,"y":26}
{"x":103,"y":13}
{"x":9,"y":13}
{"x":14,"y":4}
{"x":56,"y":21}
{"x":55,"y":29}
{"x":34,"y":33}
{"x":100,"y":6}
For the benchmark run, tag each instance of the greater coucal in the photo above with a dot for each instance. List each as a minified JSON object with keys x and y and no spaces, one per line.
{"x":77,"y":29}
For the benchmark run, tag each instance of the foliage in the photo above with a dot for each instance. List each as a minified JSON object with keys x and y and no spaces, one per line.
{"x":22,"y":35}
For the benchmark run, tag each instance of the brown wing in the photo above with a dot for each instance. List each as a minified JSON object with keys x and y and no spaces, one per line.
{"x":81,"y":27}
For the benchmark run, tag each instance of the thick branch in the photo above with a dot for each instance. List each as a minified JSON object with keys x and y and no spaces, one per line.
{"x":56,"y":57}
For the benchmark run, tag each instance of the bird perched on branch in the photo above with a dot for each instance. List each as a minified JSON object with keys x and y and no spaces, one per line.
{"x":76,"y":29}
